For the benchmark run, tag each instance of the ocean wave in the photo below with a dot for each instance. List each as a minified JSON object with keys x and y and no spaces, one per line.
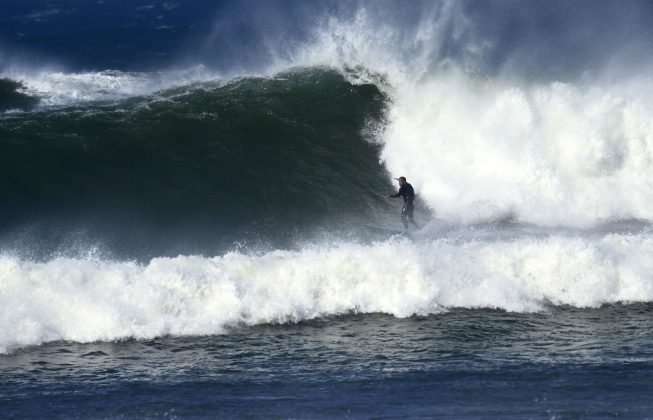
{"x":90,"y":299}
{"x":481,"y":142}
{"x":254,"y":157}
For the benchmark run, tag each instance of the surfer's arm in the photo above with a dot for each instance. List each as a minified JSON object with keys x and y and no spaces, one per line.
{"x":398,"y":194}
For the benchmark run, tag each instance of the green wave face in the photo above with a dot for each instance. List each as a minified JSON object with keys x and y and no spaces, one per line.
{"x":192,"y":166}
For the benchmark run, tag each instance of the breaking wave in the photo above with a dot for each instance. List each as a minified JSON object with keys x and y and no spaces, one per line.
{"x":92,"y":299}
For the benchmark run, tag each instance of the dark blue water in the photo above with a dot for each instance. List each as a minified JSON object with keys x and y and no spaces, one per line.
{"x":563,"y":362}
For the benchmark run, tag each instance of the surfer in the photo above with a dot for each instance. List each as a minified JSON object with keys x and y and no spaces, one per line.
{"x":408,"y":193}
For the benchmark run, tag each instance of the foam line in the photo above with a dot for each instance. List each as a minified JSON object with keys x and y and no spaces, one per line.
{"x":93,"y":299}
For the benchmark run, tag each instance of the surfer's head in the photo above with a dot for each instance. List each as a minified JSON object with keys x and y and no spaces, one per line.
{"x":401,"y":179}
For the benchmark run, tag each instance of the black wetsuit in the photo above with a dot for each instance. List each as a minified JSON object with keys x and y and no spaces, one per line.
{"x":408,"y":193}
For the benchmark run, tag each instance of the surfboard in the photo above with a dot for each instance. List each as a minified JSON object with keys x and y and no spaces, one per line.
{"x":382,"y":230}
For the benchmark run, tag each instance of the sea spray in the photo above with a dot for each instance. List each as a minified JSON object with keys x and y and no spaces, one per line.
{"x":553,"y":154}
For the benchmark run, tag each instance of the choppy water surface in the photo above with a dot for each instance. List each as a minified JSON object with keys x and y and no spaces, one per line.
{"x":465,"y":362}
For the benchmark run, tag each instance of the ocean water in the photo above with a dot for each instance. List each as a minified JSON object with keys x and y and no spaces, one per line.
{"x":193,"y":221}
{"x":561,"y":361}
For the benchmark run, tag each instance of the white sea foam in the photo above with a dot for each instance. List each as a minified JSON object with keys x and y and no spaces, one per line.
{"x":58,"y":88}
{"x":556,"y":154}
{"x":90,"y":299}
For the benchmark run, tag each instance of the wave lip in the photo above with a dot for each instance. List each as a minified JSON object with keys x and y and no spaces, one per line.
{"x":58,"y":88}
{"x":91,"y":299}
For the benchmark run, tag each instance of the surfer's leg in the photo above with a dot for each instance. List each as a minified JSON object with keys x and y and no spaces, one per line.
{"x":409,"y":214}
{"x":404,"y":213}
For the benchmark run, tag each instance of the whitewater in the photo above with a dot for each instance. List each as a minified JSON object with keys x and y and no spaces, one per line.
{"x":88,"y":300}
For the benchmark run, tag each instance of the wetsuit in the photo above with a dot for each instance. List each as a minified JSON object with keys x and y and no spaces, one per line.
{"x":408,"y":193}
